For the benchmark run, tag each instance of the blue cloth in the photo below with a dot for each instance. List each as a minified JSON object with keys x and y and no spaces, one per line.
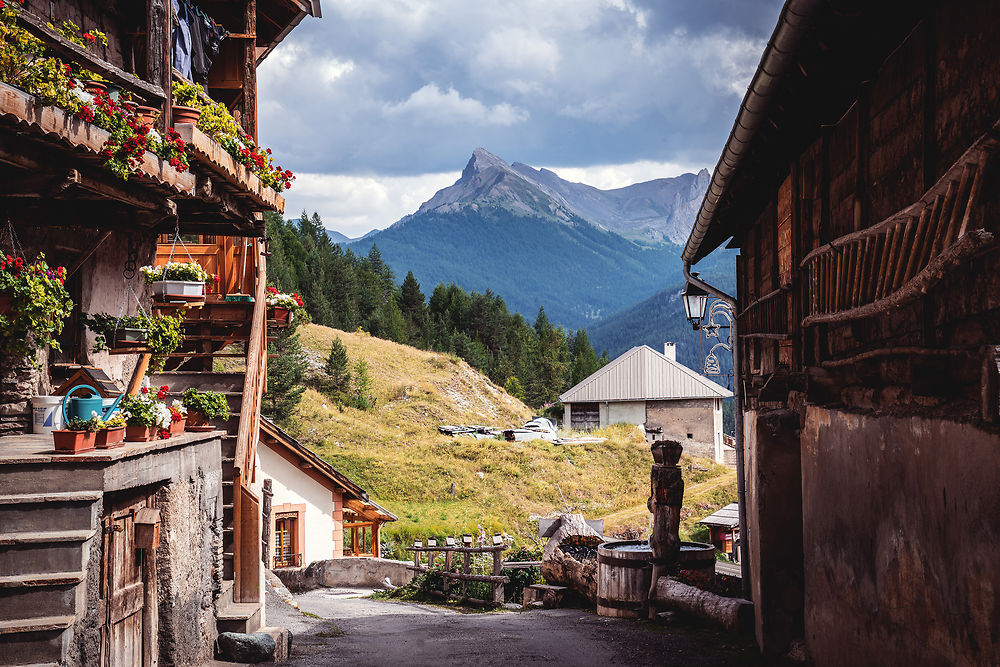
{"x":182,"y":38}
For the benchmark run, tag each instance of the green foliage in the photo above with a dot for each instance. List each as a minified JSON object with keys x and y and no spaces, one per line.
{"x":163,"y":337}
{"x":337,"y":369}
{"x":39,"y":304}
{"x":364,"y":389}
{"x":211,"y":404}
{"x":519,"y":579}
{"x":286,"y":373}
{"x":187,"y":94}
{"x":418,"y":590}
{"x":92,"y":425}
{"x":513,"y":387}
{"x":25,"y":64}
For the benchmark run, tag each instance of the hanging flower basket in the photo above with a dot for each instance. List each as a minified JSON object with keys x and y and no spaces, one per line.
{"x":130,"y":336}
{"x":182,"y":281}
{"x":282,"y":307}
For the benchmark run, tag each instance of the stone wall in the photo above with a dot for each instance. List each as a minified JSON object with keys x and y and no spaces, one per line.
{"x":349,"y":572}
{"x":679,"y":418}
{"x":900,"y":532}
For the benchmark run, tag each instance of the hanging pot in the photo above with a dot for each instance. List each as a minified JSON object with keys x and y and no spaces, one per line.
{"x":182,"y":114}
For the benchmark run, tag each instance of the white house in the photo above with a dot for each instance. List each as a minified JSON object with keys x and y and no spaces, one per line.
{"x":314,"y":507}
{"x":652,"y":389}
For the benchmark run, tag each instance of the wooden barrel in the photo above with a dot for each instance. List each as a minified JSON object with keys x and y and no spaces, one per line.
{"x":623,"y":578}
{"x":696,"y":556}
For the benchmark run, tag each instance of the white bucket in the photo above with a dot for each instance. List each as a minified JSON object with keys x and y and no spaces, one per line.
{"x":46,"y":414}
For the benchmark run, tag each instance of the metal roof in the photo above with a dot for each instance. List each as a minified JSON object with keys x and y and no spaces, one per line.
{"x":643,"y":374}
{"x":727,"y":517}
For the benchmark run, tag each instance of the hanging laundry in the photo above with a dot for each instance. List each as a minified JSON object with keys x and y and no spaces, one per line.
{"x":206,"y":40}
{"x":182,"y":38}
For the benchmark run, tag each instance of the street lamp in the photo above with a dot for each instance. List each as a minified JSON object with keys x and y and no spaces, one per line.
{"x":695,"y":302}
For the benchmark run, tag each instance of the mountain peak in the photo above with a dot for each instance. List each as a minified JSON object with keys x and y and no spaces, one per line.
{"x":482,"y":160}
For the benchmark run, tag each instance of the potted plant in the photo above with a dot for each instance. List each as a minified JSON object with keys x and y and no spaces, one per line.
{"x":203,"y":406}
{"x":114,"y":332}
{"x":187,"y":102}
{"x":111,"y":432}
{"x":178,"y":417}
{"x":145,"y":417}
{"x":79,"y":435}
{"x":38,"y":304}
{"x":282,"y":306}
{"x":178,"y":280}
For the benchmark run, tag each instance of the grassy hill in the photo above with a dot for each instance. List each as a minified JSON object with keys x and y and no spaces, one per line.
{"x":439,"y":485}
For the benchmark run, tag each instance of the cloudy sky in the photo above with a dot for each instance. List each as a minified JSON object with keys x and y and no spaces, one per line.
{"x":379,"y":104}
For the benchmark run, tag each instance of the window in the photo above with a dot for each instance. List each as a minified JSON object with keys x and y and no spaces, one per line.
{"x":285,"y":541}
{"x":690,"y":436}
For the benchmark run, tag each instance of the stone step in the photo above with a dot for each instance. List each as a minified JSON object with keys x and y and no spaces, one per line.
{"x":26,"y":603}
{"x":46,"y":537}
{"x":53,"y":497}
{"x":38,"y":624}
{"x":44,"y":579}
{"x":238,"y":617}
{"x":28,"y":478}
{"x":51,"y":516}
{"x":41,"y":559}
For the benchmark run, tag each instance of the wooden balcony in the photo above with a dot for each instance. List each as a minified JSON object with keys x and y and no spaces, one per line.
{"x":767,"y":317}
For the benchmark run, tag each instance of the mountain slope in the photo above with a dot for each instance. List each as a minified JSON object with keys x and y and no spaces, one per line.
{"x":397,"y":455}
{"x":519,"y":233}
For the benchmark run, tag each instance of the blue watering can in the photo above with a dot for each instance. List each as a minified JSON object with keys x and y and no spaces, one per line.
{"x":82,"y":408}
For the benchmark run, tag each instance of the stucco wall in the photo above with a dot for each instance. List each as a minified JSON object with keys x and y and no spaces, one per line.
{"x":293,"y":486}
{"x":900,"y":532}
{"x":681,"y":417}
{"x":624,"y":412}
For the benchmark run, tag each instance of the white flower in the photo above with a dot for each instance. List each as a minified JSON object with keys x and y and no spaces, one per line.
{"x":177,"y":405}
{"x":162,"y":415}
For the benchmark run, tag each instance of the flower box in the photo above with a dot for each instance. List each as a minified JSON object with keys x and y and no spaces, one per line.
{"x":130,"y":336}
{"x":137,"y":433}
{"x":165,"y":289}
{"x":110,"y":437}
{"x":73,"y":441}
{"x":177,"y":426}
{"x":198,"y":423}
{"x":282,"y":316}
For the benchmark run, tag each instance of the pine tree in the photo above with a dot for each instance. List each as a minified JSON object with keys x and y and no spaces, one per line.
{"x":364,"y":395}
{"x":286,"y":373}
{"x":513,"y":387}
{"x":338,"y":374}
{"x":585,"y":361}
{"x":413,"y":307}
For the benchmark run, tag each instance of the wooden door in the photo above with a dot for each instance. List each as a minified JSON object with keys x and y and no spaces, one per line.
{"x":123,"y":589}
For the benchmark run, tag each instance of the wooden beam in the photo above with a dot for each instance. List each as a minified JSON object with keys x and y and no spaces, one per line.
{"x":85,"y":255}
{"x":250,"y":71}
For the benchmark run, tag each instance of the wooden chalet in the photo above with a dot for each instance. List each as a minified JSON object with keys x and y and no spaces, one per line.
{"x":860,"y":185}
{"x":79,"y":583}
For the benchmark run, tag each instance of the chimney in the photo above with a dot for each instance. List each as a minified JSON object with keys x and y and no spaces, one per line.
{"x":670,"y":351}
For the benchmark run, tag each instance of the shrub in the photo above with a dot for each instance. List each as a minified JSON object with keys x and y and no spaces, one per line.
{"x":211,"y":404}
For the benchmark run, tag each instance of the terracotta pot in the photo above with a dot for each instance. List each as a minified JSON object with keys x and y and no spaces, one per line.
{"x":186,"y":115}
{"x":147,"y":115}
{"x":141,"y":433}
{"x":130,"y":105}
{"x":95,"y":87}
{"x":177,"y":427}
{"x":198,"y":423}
{"x":73,"y":441}
{"x":5,"y":306}
{"x":282,"y":316}
{"x":110,"y":437}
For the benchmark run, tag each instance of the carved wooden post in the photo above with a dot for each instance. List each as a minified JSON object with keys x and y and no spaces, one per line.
{"x":266,"y":495}
{"x":666,"y":497}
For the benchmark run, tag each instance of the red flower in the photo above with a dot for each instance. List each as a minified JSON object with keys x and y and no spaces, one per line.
{"x":145,"y":390}
{"x":164,"y":434}
{"x":90,"y":38}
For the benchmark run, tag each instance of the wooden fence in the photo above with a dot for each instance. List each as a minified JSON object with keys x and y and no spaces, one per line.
{"x":497,"y":579}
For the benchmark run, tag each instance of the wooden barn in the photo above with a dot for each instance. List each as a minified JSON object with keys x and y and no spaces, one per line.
{"x":651,"y":389}
{"x":860,"y":184}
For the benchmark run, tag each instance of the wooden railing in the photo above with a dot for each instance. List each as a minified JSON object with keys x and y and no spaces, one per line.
{"x":246,"y":505}
{"x":767,"y":317}
{"x":497,"y":579}
{"x":872,"y":271}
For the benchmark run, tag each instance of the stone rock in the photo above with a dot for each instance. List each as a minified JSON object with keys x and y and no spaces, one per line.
{"x":239,"y":647}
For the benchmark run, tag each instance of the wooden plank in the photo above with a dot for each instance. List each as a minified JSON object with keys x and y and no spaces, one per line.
{"x":905,"y":250}
{"x":977,"y":185}
{"x":961,"y":203}
{"x":249,"y":545}
{"x":919,"y":240}
{"x":250,"y":72}
{"x":941,"y":226}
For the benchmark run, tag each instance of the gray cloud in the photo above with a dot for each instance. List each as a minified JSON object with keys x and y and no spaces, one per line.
{"x":407,"y":87}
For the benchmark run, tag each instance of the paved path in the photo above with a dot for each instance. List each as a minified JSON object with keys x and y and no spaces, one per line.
{"x":341,"y":628}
